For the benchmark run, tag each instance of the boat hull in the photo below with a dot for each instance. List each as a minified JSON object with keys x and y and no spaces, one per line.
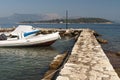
{"x":40,"y":40}
{"x":43,"y":44}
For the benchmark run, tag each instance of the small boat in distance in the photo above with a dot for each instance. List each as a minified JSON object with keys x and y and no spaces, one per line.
{"x":25,"y":35}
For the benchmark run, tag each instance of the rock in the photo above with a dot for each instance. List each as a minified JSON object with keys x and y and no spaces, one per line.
{"x":96,"y":34}
{"x":100,"y":40}
{"x":49,"y":75}
{"x":118,"y":53}
{"x":57,"y":61}
{"x":54,"y":66}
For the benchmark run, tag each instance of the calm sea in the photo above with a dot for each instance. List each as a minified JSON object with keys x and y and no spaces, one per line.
{"x":31,"y":63}
{"x":110,"y":32}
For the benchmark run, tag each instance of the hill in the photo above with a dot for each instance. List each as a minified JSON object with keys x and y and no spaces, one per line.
{"x":48,"y":18}
{"x":15,"y":18}
{"x":78,"y":20}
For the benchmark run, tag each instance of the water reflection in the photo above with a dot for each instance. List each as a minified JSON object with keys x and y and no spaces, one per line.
{"x":29,"y":63}
{"x":25,"y":63}
{"x":64,"y":44}
{"x":26,"y":52}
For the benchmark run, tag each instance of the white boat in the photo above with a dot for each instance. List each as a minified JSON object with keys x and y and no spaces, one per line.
{"x":28,"y":37}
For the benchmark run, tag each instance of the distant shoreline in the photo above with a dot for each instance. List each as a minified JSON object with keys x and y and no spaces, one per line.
{"x":67,"y":23}
{"x":71,"y":21}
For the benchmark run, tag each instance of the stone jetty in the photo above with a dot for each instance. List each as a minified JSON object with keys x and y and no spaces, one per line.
{"x":87,"y":61}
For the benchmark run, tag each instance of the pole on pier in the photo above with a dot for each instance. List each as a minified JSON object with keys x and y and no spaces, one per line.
{"x":66,"y":19}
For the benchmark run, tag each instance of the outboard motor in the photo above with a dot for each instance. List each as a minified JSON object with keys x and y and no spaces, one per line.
{"x":3,"y":37}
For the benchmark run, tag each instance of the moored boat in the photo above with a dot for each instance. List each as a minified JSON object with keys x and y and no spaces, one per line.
{"x":28,"y":37}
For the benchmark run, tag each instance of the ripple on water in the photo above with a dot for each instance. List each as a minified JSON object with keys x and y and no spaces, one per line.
{"x":24,"y":63}
{"x":29,"y":63}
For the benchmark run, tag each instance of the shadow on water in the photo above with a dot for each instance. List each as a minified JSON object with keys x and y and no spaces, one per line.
{"x":29,"y":63}
{"x":64,"y":44}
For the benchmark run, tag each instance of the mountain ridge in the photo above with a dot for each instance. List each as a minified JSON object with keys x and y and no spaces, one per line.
{"x":16,"y":18}
{"x":48,"y":18}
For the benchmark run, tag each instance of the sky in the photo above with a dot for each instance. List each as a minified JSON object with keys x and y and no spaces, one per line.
{"x":108,"y":9}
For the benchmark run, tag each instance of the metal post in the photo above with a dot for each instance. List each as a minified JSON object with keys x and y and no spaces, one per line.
{"x":66,"y":19}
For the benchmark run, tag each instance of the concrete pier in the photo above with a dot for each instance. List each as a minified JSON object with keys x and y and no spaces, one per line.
{"x":87,"y":61}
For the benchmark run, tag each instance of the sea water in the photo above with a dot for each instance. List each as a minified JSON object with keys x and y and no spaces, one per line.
{"x":24,"y":63}
{"x":31,"y":63}
{"x":110,"y":32}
